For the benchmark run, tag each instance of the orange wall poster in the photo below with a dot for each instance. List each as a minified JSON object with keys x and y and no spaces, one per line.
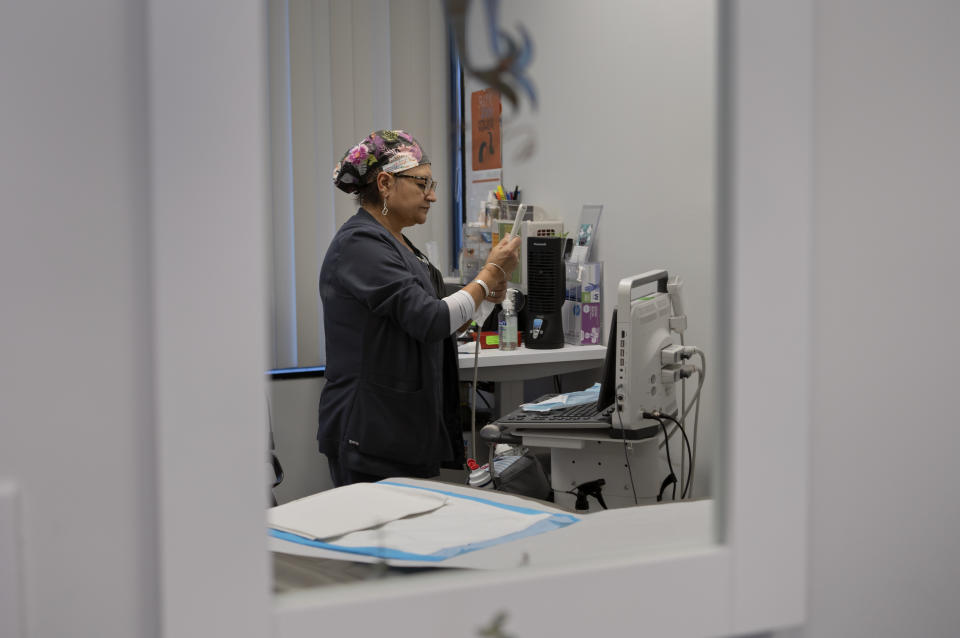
{"x":485,"y":138}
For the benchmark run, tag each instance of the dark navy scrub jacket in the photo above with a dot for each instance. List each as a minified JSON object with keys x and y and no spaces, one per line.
{"x":390,"y":405}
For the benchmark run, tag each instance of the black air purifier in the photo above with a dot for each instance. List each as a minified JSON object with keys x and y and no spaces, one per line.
{"x":546,"y":281}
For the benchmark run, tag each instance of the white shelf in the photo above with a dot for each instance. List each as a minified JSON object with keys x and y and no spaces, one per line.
{"x":525,"y":363}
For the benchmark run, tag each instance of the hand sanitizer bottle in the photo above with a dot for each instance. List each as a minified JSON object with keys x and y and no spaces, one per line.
{"x":508,"y":322}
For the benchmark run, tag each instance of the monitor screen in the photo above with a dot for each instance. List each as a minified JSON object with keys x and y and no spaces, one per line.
{"x":607,"y":384}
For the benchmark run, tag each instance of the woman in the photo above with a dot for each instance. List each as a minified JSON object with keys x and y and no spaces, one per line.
{"x":390,"y":406}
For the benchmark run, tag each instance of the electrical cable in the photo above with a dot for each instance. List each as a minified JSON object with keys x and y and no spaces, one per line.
{"x":696,"y":395}
{"x":673,"y":430}
{"x":693,"y":453}
{"x":473,"y":411}
{"x":683,"y":402}
{"x":701,"y":373}
{"x":680,"y":424}
{"x":626,"y":456}
{"x":685,"y":440}
{"x":693,"y":459}
{"x":671,"y":478}
{"x":696,"y":419}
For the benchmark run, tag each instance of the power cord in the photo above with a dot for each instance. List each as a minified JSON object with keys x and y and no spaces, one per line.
{"x":696,"y":416}
{"x":701,"y":374}
{"x":671,"y":478}
{"x":689,"y":406}
{"x":626,"y":455}
{"x":659,"y":415}
{"x":683,"y":402}
{"x":473,"y":404}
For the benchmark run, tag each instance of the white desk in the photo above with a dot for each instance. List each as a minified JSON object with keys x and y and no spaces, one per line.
{"x":511,"y":368}
{"x":607,"y":537}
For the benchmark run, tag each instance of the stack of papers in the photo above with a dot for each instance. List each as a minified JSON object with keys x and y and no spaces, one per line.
{"x":406,"y":522}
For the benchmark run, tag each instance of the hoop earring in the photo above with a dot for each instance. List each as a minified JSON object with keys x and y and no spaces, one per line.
{"x":384,"y":211}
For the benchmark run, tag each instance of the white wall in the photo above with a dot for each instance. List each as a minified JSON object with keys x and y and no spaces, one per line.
{"x":293,"y":413}
{"x":420,"y":74}
{"x":76,"y":403}
{"x":885,"y":517}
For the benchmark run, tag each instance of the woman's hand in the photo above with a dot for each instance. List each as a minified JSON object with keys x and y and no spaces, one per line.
{"x":498,"y":269}
{"x":506,"y":255}
{"x":496,"y":272}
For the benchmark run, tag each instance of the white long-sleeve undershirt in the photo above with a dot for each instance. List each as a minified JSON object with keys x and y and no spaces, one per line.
{"x":462,"y":309}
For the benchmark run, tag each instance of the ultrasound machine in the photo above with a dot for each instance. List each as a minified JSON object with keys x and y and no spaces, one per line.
{"x":614,"y":449}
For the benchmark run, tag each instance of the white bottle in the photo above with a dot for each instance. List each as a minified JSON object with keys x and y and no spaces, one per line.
{"x":508,"y":322}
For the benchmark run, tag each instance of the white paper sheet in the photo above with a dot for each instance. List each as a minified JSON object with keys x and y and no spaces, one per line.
{"x":343,"y":510}
{"x":459,"y":523}
{"x":470,"y":519}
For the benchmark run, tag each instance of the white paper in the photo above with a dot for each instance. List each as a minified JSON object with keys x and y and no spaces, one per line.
{"x":346,"y":509}
{"x":460,"y":522}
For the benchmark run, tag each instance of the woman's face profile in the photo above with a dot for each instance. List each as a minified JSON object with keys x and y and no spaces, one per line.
{"x":408,"y":197}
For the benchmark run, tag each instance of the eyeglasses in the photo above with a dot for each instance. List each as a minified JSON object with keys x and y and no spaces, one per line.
{"x":426,"y":184}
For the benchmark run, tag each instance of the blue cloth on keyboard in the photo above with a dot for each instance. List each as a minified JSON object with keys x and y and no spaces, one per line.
{"x":590,"y":395}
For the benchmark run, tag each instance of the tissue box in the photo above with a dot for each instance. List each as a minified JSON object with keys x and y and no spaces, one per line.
{"x":581,"y":323}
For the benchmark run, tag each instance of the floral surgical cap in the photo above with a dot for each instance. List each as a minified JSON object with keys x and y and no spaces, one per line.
{"x":389,"y":151}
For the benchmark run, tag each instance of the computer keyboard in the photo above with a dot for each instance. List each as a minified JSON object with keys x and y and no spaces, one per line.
{"x":583,"y":412}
